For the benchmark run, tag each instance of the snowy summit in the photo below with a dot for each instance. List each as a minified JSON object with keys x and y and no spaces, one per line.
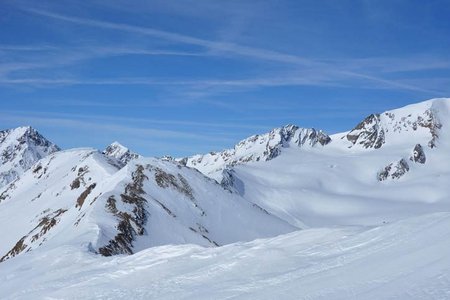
{"x":290,"y":210}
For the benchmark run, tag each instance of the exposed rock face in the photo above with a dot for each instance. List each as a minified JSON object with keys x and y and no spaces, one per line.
{"x":57,"y":191}
{"x":231,"y":182}
{"x":256,"y":148}
{"x":62,"y":196}
{"x":20,"y":149}
{"x":36,"y":235}
{"x":394,"y":170}
{"x":130,"y":224}
{"x":418,"y":155}
{"x":431,"y":122}
{"x":375,"y":130}
{"x":120,"y":152}
{"x":368,"y":133}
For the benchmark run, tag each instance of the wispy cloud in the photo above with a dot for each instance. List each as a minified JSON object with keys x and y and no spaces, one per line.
{"x":183,"y":126}
{"x":309,"y":72}
{"x":333,"y":73}
{"x":26,"y":48}
{"x":207,"y":87}
{"x":394,"y":64}
{"x":49,"y":57}
{"x":182,"y":38}
{"x":105,"y":124}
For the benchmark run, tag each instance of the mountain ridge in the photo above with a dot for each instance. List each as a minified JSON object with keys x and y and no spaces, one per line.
{"x":260,"y":147}
{"x":418,"y":122}
{"x":81,"y":196}
{"x":20,"y":148}
{"x":134,"y":191}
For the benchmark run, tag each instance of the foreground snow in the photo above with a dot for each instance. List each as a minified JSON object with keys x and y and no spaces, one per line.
{"x":408,"y":259}
{"x":375,"y":200}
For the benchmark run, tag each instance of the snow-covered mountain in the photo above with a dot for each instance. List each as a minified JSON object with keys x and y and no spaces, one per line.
{"x":82,"y":197}
{"x":418,"y":121}
{"x":358,"y":181}
{"x":373,"y":198}
{"x":120,"y":152}
{"x":416,"y":125}
{"x":20,"y":148}
{"x":256,"y":148}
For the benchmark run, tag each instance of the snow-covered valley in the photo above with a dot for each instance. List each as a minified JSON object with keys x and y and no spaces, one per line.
{"x":294,"y":213}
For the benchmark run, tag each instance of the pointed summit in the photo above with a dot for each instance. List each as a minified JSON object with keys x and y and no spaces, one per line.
{"x":120,"y":152}
{"x":21,"y":148}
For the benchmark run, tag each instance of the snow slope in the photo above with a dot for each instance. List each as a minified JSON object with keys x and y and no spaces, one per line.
{"x":20,"y":148}
{"x":343,"y":183}
{"x":256,"y":148}
{"x":408,"y":259}
{"x":83,"y":197}
{"x":373,"y":204}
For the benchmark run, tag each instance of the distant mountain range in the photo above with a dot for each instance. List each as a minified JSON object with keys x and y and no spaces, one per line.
{"x":389,"y":166}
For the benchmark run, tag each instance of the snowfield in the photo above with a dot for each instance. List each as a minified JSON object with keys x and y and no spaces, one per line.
{"x":82,"y":197}
{"x":290,"y":214}
{"x":408,"y":259}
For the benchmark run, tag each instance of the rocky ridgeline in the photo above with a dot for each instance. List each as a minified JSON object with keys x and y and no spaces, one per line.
{"x":374,"y":130}
{"x":417,"y":123}
{"x":262,"y":147}
{"x":20,"y":149}
{"x":368,"y":133}
{"x":120,"y":152}
{"x":130,"y":222}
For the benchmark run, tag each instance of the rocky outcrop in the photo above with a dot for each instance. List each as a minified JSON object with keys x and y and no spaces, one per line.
{"x":368,"y":133}
{"x":398,"y":169}
{"x":431,"y":122}
{"x":262,"y":147}
{"x":378,"y":129}
{"x":120,"y":152}
{"x":231,"y":182}
{"x":149,"y":202}
{"x":394,"y":170}
{"x":20,"y":149}
{"x":130,"y":223}
{"x":36,"y":235}
{"x":418,"y":155}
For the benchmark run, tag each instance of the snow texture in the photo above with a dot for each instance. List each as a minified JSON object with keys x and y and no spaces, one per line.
{"x":290,"y":214}
{"x":408,"y":259}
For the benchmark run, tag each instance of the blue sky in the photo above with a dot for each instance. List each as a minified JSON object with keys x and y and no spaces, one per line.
{"x":191,"y":76}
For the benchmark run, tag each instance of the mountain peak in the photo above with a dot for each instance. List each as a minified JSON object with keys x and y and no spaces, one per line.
{"x":120,"y":152}
{"x":20,"y":148}
{"x":260,"y":147}
{"x":422,"y":120}
{"x":118,"y":147}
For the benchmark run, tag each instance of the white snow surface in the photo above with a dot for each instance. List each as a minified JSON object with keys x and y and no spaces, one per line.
{"x":408,"y":259}
{"x":44,"y":206}
{"x":337,"y":184}
{"x":360,"y":238}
